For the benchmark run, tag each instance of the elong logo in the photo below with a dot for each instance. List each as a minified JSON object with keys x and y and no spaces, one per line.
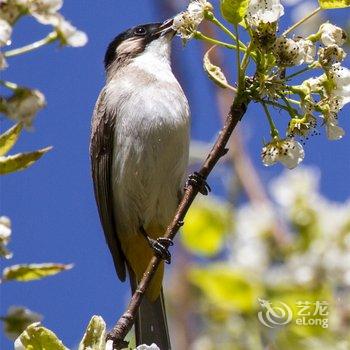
{"x":279,"y":313}
{"x":274,"y":315}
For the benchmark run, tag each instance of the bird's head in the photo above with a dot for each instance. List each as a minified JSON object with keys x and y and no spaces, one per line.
{"x":152,"y":39}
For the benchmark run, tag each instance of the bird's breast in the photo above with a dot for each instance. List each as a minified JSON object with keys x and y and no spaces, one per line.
{"x":150,"y":152}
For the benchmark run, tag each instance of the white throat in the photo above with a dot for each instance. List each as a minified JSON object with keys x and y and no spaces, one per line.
{"x":155,"y":60}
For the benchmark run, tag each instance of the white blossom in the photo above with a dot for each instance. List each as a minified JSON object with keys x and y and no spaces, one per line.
{"x":291,"y":186}
{"x":313,"y":84}
{"x":185,"y":25}
{"x":331,"y":55}
{"x":187,"y":22}
{"x":11,"y":10}
{"x":288,"y":152}
{"x":5,"y":228}
{"x":5,"y":235}
{"x":68,"y":34}
{"x":330,"y":108}
{"x":340,"y":77}
{"x":303,"y":267}
{"x":333,"y":130}
{"x":307,"y":50}
{"x":147,"y":347}
{"x":286,"y":51}
{"x":334,"y":88}
{"x":5,"y":33}
{"x":331,"y":34}
{"x":45,"y":10}
{"x":197,"y":9}
{"x":49,"y":6}
{"x":264,"y":11}
{"x":24,"y":105}
{"x":253,"y":223}
{"x":303,"y":126}
{"x":290,"y":52}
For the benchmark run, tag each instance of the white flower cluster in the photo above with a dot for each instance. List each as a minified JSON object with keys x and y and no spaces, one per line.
{"x":187,"y":22}
{"x":250,"y":250}
{"x":330,"y":92}
{"x":45,"y":12}
{"x":325,"y":255}
{"x":325,"y":95}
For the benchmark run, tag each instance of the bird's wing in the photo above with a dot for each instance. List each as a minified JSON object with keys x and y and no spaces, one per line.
{"x":101,"y":153}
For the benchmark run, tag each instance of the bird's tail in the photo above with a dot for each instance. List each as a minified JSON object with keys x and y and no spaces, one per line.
{"x":151,"y":324}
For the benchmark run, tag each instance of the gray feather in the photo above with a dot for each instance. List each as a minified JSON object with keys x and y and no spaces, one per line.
{"x":101,"y":153}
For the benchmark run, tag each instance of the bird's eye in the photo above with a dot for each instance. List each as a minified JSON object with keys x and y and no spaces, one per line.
{"x":140,"y":31}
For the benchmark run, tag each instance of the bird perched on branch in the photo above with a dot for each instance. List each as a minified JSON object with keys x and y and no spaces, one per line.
{"x":139,"y":154}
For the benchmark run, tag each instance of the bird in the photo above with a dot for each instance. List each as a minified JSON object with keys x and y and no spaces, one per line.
{"x":139,"y":152}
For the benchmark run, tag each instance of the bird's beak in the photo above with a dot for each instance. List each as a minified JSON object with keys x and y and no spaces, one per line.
{"x":166,"y":27}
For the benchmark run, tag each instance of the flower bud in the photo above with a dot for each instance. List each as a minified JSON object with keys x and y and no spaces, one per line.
{"x":330,"y":55}
{"x":331,"y":34}
{"x":290,"y":52}
{"x":264,"y":36}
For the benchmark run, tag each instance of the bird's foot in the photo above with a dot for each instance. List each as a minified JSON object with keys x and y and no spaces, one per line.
{"x":159,"y":246}
{"x":197,"y":180}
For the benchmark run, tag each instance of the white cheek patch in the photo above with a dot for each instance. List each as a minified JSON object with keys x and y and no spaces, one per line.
{"x":129,"y":46}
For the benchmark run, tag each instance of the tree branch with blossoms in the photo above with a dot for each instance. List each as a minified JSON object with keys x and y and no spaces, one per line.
{"x":276,"y":61}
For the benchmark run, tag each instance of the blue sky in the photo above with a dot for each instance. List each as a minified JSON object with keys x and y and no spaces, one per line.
{"x":51,"y":204}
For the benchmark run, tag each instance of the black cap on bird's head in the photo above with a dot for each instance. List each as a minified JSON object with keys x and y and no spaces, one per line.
{"x":134,"y":41}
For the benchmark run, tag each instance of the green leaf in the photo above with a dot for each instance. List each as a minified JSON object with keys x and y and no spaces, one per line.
{"x":36,"y":337}
{"x":20,"y":161}
{"x":214,"y":72}
{"x":234,"y":10}
{"x":95,"y":335}
{"x":334,"y":4}
{"x":17,"y":320}
{"x":31,"y":272}
{"x":227,"y":288}
{"x":9,"y":138}
{"x":204,"y":231}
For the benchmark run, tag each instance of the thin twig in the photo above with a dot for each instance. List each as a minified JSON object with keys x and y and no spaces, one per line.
{"x":50,"y":38}
{"x":303,"y":20}
{"x":126,"y":321}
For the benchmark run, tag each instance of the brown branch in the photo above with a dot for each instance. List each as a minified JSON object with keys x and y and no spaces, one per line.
{"x":127,"y":320}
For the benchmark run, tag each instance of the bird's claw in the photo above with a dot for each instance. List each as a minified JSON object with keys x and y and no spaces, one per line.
{"x":197,"y":180}
{"x":160,"y":247}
